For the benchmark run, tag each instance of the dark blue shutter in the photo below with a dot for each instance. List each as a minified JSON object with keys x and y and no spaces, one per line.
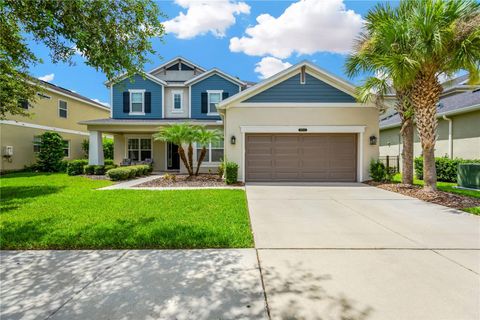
{"x":148,"y":102}
{"x":126,"y":102}
{"x":225,"y":95}
{"x":204,"y":102}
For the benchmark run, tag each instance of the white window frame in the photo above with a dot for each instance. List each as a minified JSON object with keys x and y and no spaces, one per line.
{"x":209,"y":154}
{"x":138,"y":137}
{"x":66,"y":108}
{"x":179,"y":92}
{"x":68,"y":148}
{"x":37,"y":141}
{"x":142,"y":91}
{"x":209,"y":113}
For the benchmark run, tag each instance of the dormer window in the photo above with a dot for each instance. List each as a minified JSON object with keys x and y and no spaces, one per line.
{"x":177,"y":101}
{"x":137,"y":102}
{"x":214,"y":97}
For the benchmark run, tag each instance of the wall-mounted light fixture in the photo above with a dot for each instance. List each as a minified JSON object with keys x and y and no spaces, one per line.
{"x":233,"y":140}
{"x":373,"y":140}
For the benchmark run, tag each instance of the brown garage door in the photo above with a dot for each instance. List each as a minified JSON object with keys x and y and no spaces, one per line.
{"x":301,"y":157}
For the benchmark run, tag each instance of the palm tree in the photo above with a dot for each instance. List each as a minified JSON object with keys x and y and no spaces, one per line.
{"x":204,"y":137}
{"x":180,"y":135}
{"x":374,"y":53}
{"x":444,"y":37}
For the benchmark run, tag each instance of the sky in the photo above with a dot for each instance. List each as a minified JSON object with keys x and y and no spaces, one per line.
{"x":247,"y":39}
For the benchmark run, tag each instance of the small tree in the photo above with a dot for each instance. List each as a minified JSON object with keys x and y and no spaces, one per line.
{"x":51,"y":152}
{"x":204,"y":137}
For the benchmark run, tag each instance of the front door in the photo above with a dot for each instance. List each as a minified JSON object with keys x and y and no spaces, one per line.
{"x":173,"y":158}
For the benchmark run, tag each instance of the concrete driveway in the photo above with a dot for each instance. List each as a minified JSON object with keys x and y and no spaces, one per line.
{"x":350,"y":251}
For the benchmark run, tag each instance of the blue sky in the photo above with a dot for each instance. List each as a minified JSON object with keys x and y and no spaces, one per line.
{"x":217,"y":34}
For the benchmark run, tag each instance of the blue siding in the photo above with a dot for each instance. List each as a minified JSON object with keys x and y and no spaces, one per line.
{"x":213,"y":82}
{"x":291,"y":90}
{"x":139,"y":83}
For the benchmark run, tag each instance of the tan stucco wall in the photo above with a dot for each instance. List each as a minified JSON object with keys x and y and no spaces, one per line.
{"x":45,"y":113}
{"x":299,"y":116}
{"x":169,"y":103}
{"x":466,"y":138}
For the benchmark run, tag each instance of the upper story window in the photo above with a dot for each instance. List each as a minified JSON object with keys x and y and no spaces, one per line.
{"x":177,"y":101}
{"x":137,"y":101}
{"x":62,"y":109}
{"x":214,"y":97}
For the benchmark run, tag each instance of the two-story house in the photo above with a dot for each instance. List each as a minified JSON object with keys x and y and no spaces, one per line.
{"x":301,"y":124}
{"x":54,"y":109}
{"x":175,"y":92}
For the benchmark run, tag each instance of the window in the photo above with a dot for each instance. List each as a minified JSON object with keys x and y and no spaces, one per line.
{"x":214,"y":152}
{"x":214,"y":97}
{"x":177,"y":101}
{"x":139,"y":149}
{"x":62,"y":109}
{"x":137,"y":101}
{"x":37,"y":140}
{"x":66,"y":148}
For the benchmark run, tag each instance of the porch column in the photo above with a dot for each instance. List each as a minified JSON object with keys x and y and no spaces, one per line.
{"x":95,"y":148}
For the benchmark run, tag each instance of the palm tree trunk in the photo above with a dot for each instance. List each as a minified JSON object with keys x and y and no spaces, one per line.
{"x":425,"y":96}
{"x":190,"y":156}
{"x":181,"y":152}
{"x":200,"y":160}
{"x":407,"y":152}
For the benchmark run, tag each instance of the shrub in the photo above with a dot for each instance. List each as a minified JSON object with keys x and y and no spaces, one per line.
{"x":108,"y":167}
{"x":107,"y":148}
{"x":109,"y":162}
{"x":63,"y":166}
{"x":221,"y":170}
{"x":129,"y":172}
{"x":447,"y":168}
{"x":170,"y":177}
{"x":378,"y":171}
{"x":75,"y":167}
{"x":51,"y":152}
{"x":99,"y":170}
{"x":231,"y":172}
{"x":89,"y":169}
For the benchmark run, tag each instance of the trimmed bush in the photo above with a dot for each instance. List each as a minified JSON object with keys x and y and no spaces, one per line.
{"x":109,"y":162}
{"x":108,"y":167}
{"x":75,"y":167}
{"x":51,"y":152}
{"x":124,"y":173}
{"x":447,"y":169}
{"x":231,"y":172}
{"x":378,"y":171}
{"x":89,"y":169}
{"x":99,"y":170}
{"x":63,"y":166}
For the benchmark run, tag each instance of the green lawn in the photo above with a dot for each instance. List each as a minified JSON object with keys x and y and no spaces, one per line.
{"x":448,"y":187}
{"x":56,"y":211}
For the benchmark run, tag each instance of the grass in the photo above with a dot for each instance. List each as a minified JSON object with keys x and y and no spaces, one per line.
{"x":56,"y":211}
{"x":448,"y":187}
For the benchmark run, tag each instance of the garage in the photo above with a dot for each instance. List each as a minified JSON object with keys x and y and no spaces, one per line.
{"x":298,"y":157}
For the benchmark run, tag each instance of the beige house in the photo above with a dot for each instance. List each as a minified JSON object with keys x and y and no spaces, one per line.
{"x":458,"y":132}
{"x":55,"y":109}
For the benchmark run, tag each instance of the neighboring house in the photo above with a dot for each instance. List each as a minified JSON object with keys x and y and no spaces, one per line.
{"x":458,"y":132}
{"x":55,"y":109}
{"x":301,"y":124}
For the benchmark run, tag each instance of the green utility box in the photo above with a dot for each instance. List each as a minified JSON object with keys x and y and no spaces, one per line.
{"x":468,"y":175}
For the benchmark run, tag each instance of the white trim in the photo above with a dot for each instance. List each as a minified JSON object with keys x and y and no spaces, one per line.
{"x":138,"y":136}
{"x":211,"y":72}
{"x":303,"y":105}
{"x":175,"y":60}
{"x":209,"y":113}
{"x":310,"y":129}
{"x":163,"y":102}
{"x":285,"y":74}
{"x":111,"y":101}
{"x":295,"y":129}
{"x":37,"y":126}
{"x":149,"y":123}
{"x":66,"y":108}
{"x":190,"y":102}
{"x":123,"y":76}
{"x":179,"y":92}
{"x":137,"y":113}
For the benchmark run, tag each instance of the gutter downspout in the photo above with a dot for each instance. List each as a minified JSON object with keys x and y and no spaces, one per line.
{"x":450,"y":140}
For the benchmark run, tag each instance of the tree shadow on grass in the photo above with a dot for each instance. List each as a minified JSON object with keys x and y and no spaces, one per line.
{"x":12,"y":198}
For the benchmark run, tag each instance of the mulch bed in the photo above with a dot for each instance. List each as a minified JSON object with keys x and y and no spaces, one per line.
{"x":439,"y":197}
{"x":183,"y":180}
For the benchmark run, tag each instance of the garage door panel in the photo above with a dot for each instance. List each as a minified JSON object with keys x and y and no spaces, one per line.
{"x":300,"y":157}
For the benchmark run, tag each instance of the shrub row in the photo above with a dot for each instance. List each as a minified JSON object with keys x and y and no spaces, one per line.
{"x":124,"y":173}
{"x":81,"y":166}
{"x":446,"y":168}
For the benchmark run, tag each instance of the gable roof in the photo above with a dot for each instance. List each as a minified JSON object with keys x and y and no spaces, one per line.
{"x":211,"y":72}
{"x":146,"y":75}
{"x":310,"y":68}
{"x":174,"y":60}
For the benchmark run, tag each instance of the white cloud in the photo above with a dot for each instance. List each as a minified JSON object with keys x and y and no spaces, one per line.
{"x":106,"y":104}
{"x":205,"y":16}
{"x":305,"y":27}
{"x":268,"y":66}
{"x":48,"y":77}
